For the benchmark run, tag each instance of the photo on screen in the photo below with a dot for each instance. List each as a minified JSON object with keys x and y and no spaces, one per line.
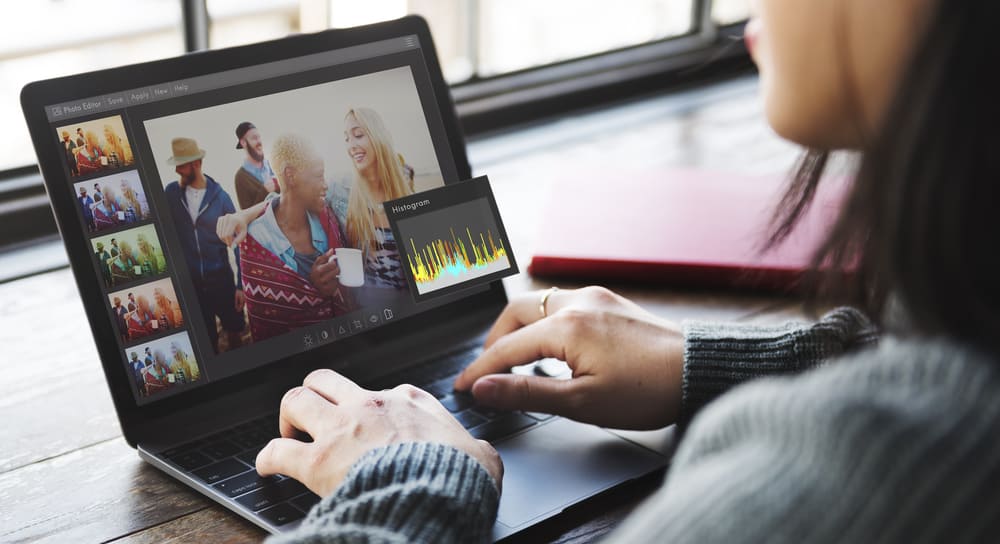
{"x":163,"y":364}
{"x":343,"y":147}
{"x":96,"y":146}
{"x":111,"y":202}
{"x":127,"y":256}
{"x":146,"y":310}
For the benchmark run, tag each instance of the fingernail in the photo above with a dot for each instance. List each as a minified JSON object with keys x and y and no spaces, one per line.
{"x":485,"y":390}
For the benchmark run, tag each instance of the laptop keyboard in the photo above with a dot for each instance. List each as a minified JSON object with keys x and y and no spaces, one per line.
{"x":225,"y":460}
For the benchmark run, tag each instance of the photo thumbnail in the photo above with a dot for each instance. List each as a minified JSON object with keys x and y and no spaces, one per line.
{"x":112,"y":201}
{"x":146,"y":310}
{"x":129,"y":255}
{"x":326,"y":155}
{"x":95,"y":146}
{"x":162,"y":364}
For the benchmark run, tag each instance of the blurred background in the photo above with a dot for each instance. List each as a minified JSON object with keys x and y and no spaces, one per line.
{"x":477,"y":40}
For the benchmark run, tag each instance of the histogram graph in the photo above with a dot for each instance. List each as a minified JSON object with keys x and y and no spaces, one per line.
{"x":442,"y":263}
{"x":451,"y":239}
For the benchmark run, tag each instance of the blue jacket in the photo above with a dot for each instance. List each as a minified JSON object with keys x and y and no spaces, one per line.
{"x":206,"y":255}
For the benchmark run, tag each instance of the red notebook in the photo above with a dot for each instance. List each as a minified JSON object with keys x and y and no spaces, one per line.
{"x":679,"y":227}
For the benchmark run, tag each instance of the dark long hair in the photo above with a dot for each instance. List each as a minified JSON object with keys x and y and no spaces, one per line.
{"x":921,"y":220}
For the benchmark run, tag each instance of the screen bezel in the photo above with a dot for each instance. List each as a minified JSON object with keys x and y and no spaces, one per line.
{"x":36,"y":96}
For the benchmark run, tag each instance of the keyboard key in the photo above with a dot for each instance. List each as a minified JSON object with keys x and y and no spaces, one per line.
{"x":221,"y":449}
{"x":539,"y":416}
{"x":503,"y":426}
{"x":271,"y":495}
{"x":281,"y":514}
{"x":173,"y":452}
{"x":249,"y":457}
{"x":441,"y":388}
{"x":244,"y":483}
{"x":221,"y":470}
{"x":458,"y":402}
{"x":305,"y":502}
{"x":469,"y":419}
{"x":488,"y":413}
{"x":190,"y":460}
{"x":252,"y":439}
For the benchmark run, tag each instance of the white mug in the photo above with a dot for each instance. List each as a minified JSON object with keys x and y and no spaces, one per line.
{"x":352,"y":268}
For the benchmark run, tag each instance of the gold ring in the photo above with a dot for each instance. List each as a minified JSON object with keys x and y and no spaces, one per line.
{"x":545,"y":298}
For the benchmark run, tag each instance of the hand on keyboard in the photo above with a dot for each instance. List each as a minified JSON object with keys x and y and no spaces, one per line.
{"x":345,"y":421}
{"x":626,"y":362}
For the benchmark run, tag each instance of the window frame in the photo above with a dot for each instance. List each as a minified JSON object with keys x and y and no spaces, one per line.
{"x":707,"y":53}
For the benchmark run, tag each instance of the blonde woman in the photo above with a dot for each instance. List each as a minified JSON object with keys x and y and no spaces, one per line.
{"x":150,"y":256}
{"x":181,"y":363}
{"x":116,"y":149}
{"x":379,"y":175}
{"x":134,"y":200}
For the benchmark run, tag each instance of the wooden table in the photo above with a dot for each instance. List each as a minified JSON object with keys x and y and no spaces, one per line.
{"x":67,"y":475}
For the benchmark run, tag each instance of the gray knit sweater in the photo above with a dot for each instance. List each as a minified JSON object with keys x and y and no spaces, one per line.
{"x":891,"y":443}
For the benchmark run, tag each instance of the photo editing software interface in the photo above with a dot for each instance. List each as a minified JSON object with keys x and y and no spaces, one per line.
{"x":239,"y":217}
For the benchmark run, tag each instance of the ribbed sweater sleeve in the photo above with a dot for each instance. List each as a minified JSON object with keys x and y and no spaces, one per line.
{"x":718,"y":356}
{"x":412,"y":492}
{"x":898,"y":444}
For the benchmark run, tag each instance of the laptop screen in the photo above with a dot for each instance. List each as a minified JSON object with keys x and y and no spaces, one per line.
{"x":292,"y":159}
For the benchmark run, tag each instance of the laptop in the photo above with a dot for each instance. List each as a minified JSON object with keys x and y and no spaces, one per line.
{"x":200,"y":340}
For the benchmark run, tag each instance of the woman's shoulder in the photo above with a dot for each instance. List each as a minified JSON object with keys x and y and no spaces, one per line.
{"x":908,"y":379}
{"x":869,"y":444}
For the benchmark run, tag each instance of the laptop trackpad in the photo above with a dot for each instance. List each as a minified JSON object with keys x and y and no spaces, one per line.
{"x":556,"y":465}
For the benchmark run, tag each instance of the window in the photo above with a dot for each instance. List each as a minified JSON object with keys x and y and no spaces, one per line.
{"x":508,"y":60}
{"x":727,"y":12}
{"x":51,"y":38}
{"x":476,"y":38}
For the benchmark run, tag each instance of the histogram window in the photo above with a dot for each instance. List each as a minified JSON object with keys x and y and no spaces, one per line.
{"x":451,"y":239}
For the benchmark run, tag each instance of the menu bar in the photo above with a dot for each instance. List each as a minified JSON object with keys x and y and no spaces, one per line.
{"x":173,"y":89}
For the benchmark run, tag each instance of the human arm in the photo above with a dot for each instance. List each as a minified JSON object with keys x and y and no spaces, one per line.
{"x":231,"y":228}
{"x":719,"y":356}
{"x":405,"y":492}
{"x":619,"y":351}
{"x":239,"y":298}
{"x":893,"y":445}
{"x":371,"y":460}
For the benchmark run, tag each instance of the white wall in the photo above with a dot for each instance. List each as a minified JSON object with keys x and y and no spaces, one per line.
{"x":316,"y":113}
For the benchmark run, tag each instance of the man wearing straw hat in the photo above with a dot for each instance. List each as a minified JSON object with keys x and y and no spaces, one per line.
{"x":196,"y":203}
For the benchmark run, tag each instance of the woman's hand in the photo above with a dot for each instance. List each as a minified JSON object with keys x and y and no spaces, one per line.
{"x":626,"y":362}
{"x":345,"y":421}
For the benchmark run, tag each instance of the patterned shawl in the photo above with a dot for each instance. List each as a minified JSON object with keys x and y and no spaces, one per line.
{"x":278,"y":299}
